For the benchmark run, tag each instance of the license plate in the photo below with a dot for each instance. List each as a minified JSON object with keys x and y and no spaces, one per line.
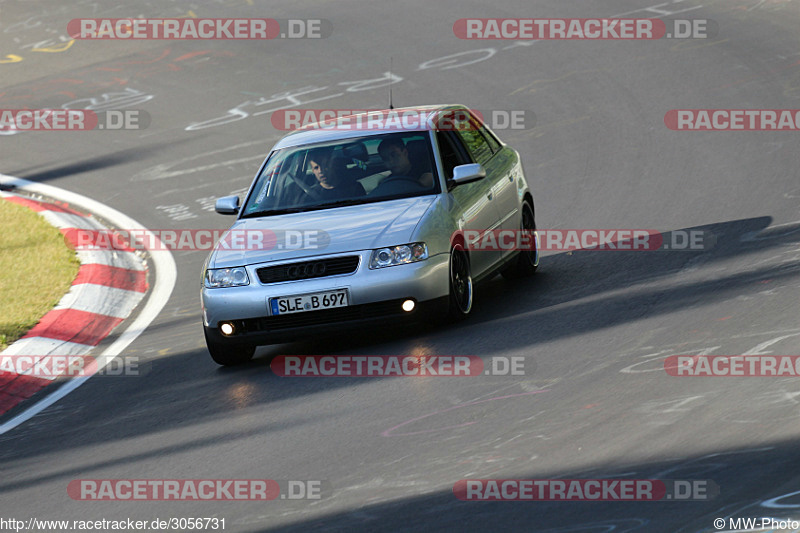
{"x":309,"y":302}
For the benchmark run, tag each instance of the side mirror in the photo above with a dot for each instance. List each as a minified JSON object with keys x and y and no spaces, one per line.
{"x":468,"y":173}
{"x":229,"y":205}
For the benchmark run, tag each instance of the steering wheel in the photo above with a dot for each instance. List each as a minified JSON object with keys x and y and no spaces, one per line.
{"x":306,"y":189}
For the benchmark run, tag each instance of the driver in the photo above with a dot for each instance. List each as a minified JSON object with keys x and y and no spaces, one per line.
{"x":404,"y":174}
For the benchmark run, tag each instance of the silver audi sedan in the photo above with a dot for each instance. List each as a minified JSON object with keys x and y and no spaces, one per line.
{"x":364,"y":219}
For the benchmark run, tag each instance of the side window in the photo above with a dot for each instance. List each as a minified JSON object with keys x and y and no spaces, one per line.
{"x":452,"y":152}
{"x":476,"y":143}
{"x":493,"y":143}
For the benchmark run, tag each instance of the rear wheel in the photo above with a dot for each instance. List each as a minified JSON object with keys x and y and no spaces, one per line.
{"x":527,"y":261}
{"x":460,"y":284}
{"x":229,"y":354}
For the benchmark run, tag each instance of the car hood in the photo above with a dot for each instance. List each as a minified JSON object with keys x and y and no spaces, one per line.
{"x":322,"y":232}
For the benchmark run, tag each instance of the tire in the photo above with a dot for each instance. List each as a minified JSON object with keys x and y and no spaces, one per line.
{"x":229,"y":354}
{"x":461,"y":287}
{"x":527,"y":261}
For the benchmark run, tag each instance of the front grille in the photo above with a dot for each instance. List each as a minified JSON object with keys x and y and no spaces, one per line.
{"x":322,"y":317}
{"x":319,"y":268}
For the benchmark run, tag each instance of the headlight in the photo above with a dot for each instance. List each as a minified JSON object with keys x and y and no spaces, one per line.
{"x":226,"y":277}
{"x":398,"y":255}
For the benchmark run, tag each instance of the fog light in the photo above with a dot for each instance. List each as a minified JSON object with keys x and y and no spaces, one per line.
{"x":226,"y":328}
{"x":408,"y":306}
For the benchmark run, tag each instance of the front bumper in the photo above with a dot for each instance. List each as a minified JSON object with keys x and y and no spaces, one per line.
{"x":374,"y":295}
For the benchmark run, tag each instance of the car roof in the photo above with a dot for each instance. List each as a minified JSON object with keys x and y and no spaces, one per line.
{"x":356,"y":125}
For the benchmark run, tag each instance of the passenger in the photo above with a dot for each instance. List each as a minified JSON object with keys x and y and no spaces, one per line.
{"x":331,"y":174}
{"x":394,"y":153}
{"x":406,"y":176}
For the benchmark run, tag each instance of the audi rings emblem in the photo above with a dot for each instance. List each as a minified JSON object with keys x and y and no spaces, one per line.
{"x":306,"y":270}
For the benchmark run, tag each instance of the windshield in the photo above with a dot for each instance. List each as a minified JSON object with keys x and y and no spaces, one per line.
{"x":345,"y":172}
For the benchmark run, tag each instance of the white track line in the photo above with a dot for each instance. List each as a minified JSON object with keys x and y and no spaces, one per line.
{"x":165,"y":277}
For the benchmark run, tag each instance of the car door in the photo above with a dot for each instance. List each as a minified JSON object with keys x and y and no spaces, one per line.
{"x":473,"y":207}
{"x":509,"y":188}
{"x":500,"y":163}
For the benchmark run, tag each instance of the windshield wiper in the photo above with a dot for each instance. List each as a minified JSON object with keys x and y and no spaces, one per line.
{"x":316,"y":207}
{"x":271,"y":212}
{"x":340,"y":203}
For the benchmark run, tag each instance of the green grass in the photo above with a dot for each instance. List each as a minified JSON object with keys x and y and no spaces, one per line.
{"x":36,"y":269}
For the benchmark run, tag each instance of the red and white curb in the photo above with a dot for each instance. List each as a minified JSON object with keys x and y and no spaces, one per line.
{"x":109,"y":286}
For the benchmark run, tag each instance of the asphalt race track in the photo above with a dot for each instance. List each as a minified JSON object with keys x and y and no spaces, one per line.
{"x":595,"y":401}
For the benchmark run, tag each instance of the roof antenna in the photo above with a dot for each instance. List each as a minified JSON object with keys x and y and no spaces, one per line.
{"x":391,"y":82}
